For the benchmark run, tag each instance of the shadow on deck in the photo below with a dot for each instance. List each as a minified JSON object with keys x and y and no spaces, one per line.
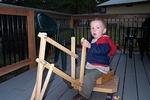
{"x":134,"y":82}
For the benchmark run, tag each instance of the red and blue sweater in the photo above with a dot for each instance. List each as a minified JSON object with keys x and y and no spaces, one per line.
{"x":101,"y":51}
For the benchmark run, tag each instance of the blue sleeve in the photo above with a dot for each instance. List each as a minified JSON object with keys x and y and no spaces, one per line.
{"x":99,"y":49}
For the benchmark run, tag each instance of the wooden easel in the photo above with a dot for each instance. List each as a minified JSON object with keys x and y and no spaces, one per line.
{"x":39,"y":90}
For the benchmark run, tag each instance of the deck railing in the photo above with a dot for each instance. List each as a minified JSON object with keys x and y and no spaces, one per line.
{"x":17,"y":45}
{"x":18,"y":37}
{"x":117,"y":26}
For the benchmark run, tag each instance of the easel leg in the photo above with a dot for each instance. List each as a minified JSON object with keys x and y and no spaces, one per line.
{"x":45,"y":83}
{"x":40,"y":68}
{"x":33,"y":93}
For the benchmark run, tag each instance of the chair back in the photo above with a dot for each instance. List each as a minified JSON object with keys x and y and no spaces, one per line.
{"x":65,"y":35}
{"x":45,"y":23}
{"x":131,"y":32}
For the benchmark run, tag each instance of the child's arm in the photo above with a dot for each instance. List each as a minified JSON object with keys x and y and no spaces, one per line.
{"x":99,"y":49}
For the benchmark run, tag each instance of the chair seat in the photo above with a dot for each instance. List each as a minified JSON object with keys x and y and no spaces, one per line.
{"x":108,"y":87}
{"x":105,"y":77}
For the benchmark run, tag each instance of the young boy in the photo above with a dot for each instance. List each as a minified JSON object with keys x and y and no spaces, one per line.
{"x":100,"y":50}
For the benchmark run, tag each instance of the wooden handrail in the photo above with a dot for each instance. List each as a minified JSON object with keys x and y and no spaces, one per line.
{"x":9,"y":68}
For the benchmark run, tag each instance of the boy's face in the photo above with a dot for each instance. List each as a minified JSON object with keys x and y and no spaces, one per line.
{"x":97,"y":29}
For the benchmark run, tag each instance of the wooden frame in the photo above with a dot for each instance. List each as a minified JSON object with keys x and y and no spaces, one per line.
{"x":39,"y":90}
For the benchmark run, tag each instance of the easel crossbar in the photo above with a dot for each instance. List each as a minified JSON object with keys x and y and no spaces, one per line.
{"x":58,"y":72}
{"x":61,"y":47}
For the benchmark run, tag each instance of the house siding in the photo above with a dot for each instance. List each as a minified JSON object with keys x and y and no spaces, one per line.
{"x":134,"y":9}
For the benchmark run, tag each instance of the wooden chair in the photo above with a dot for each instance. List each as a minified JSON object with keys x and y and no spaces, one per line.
{"x":107,"y":83}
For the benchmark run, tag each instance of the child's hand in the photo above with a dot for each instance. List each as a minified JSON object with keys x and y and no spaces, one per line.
{"x":86,"y":43}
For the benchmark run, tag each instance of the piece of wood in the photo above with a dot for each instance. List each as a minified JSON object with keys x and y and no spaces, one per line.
{"x":60,"y":73}
{"x":46,"y":81}
{"x":33,"y":93}
{"x":105,"y":78}
{"x":109,"y":87}
{"x":9,"y":68}
{"x":82,"y":65}
{"x":77,"y":86}
{"x":59,"y":46}
{"x":31,"y":37}
{"x":72,"y":58}
{"x":40,"y":68}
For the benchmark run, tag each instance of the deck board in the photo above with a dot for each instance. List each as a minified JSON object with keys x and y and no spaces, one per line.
{"x":68,"y":94}
{"x":130,"y":83}
{"x":146,"y":65}
{"x":134,"y":82}
{"x":98,"y":96}
{"x":120,"y":71}
{"x":141,"y":78}
{"x":114,"y":61}
{"x":18,"y":88}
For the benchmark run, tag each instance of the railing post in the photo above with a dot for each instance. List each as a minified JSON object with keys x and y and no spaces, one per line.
{"x":31,"y":38}
{"x":71,"y":22}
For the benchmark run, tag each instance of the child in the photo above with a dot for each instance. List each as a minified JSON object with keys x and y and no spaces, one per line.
{"x":99,"y":53}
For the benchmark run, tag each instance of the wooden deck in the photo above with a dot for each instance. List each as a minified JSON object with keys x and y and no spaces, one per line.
{"x":134,"y":82}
